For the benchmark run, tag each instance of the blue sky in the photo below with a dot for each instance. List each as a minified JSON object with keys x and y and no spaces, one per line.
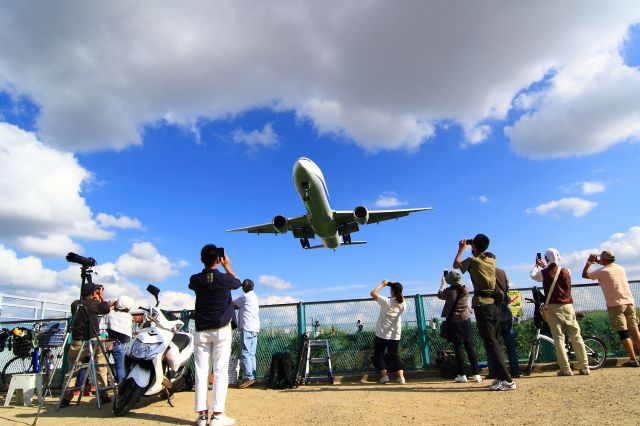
{"x":138,"y":147}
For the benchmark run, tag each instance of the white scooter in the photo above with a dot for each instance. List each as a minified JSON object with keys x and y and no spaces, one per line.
{"x":157,"y":359}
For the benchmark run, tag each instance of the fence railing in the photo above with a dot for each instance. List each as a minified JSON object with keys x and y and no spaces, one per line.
{"x":27,"y":308}
{"x":349,"y":327}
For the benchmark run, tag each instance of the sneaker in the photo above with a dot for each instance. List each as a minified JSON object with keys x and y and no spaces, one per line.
{"x":461,"y":379}
{"x":495,"y":382}
{"x":477,"y":378}
{"x":631,"y":363}
{"x":400,"y":381}
{"x":565,"y":373}
{"x":503,"y":385}
{"x":221,"y":419}
{"x":383,"y":380}
{"x":246,"y":384}
{"x":585,"y":371}
{"x":202,"y":420}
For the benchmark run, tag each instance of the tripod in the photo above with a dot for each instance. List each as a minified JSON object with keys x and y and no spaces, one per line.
{"x":89,"y":343}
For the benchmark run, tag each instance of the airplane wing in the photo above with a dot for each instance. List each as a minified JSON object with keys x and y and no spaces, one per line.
{"x":299,"y":223}
{"x":344,"y":217}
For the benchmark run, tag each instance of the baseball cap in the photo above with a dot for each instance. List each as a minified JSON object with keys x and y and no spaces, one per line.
{"x":608,"y":255}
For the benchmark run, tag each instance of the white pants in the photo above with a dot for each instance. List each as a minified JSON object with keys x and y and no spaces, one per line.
{"x":216,"y":343}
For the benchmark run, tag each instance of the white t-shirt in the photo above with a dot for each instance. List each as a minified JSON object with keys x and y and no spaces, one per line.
{"x":614,"y":284}
{"x":248,"y":316}
{"x":389,"y":325}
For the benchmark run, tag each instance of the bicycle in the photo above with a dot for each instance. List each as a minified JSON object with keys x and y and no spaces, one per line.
{"x":29,"y":356}
{"x":595,"y":346}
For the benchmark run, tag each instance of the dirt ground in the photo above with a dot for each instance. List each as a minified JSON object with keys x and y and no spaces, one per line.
{"x":608,"y":396}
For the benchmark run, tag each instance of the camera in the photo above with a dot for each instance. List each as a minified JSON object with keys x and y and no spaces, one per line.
{"x":539,"y":256}
{"x":87,"y":262}
{"x":593,"y":257}
{"x":220,"y":251}
{"x":469,"y":242}
{"x":444,"y":273}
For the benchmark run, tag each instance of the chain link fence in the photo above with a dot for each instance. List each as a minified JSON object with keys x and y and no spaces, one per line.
{"x":349,"y":326}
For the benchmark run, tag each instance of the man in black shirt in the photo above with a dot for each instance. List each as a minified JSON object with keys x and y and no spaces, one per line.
{"x":95,"y":306}
{"x":215,"y":316}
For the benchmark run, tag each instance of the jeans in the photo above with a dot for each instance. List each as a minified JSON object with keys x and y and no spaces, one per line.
{"x":214,"y":344}
{"x":488,"y":327}
{"x":249,"y":342}
{"x":118,"y":357}
{"x":509,"y":340}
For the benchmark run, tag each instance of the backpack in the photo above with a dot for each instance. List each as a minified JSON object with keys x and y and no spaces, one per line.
{"x":280,"y":371}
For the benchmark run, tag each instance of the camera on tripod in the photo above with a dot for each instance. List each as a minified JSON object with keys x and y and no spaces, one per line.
{"x":87,"y":262}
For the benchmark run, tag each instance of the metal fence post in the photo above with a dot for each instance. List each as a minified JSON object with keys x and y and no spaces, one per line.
{"x":422,"y":332}
{"x":302,"y":321}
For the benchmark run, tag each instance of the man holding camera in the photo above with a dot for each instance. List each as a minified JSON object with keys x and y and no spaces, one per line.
{"x":620,"y":303}
{"x":482,"y":270}
{"x":86,"y":321}
{"x":215,"y":316}
{"x":249,"y":325}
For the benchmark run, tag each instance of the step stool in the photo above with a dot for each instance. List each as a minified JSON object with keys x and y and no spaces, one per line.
{"x":316,"y":358}
{"x":26,"y":385}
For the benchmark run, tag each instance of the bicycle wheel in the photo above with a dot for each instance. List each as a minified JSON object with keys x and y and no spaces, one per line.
{"x":17,"y":365}
{"x":596,"y":351}
{"x":533,"y":356}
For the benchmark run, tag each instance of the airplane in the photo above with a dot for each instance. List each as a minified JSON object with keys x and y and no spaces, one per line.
{"x":320,"y":219}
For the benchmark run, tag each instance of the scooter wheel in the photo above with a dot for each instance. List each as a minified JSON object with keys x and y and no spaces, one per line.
{"x":129,"y":393}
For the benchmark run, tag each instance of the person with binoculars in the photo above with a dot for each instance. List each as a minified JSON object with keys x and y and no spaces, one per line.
{"x":620,"y":303}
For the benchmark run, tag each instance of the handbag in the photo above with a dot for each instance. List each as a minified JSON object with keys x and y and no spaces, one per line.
{"x":444,"y":327}
{"x":543,"y":307}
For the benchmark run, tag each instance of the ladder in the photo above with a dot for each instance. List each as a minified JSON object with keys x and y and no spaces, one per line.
{"x":318,"y":353}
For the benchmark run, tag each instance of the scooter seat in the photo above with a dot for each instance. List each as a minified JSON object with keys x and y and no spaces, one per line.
{"x":181,"y":340}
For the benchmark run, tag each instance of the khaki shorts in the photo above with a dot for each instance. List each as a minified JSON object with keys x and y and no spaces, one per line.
{"x":623,"y":317}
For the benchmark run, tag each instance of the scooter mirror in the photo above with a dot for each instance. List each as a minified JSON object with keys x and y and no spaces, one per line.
{"x":154,"y":291}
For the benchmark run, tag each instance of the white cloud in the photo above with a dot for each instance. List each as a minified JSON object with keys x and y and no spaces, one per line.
{"x":589,"y":188}
{"x":121,"y":222}
{"x":578,"y":207}
{"x":144,"y":262}
{"x":372,"y":71}
{"x":275,"y":300}
{"x":176,"y":300}
{"x":590,"y":105}
{"x":389,"y":199}
{"x":49,"y":246}
{"x":41,"y":208}
{"x":254,"y":138}
{"x":483,"y":199}
{"x":25,"y":273}
{"x":274,"y":282}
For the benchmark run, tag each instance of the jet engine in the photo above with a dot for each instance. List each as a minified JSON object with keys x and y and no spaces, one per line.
{"x":280,"y":224}
{"x":361,"y":215}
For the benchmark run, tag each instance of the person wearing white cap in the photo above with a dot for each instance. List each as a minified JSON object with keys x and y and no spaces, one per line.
{"x":560,"y":314}
{"x":620,"y":303}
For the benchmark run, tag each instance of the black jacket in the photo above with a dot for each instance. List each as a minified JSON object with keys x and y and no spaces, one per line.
{"x":80,"y":329}
{"x":214,"y":305}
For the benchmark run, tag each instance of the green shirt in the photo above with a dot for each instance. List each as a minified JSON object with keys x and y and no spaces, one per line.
{"x":482,"y":271}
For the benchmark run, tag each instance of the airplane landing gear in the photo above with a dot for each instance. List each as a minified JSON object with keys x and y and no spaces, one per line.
{"x":304,"y":242}
{"x":346,"y":239}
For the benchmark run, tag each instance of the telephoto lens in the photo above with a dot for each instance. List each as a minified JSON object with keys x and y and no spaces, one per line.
{"x":84,"y":261}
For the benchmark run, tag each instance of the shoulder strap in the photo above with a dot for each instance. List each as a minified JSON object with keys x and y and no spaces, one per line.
{"x":456,"y":302}
{"x":553,"y":285}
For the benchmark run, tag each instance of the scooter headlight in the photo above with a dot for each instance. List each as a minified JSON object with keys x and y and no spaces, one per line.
{"x":142,"y":350}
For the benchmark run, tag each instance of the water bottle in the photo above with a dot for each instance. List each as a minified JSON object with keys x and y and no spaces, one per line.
{"x":36,"y":359}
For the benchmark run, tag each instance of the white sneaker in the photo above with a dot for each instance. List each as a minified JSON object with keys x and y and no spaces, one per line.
{"x":222,"y":419}
{"x":503,"y":385}
{"x":383,"y":380}
{"x":495,"y":382}
{"x":477,"y":378}
{"x":202,"y":420}
{"x":400,"y":381}
{"x":461,"y":379}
